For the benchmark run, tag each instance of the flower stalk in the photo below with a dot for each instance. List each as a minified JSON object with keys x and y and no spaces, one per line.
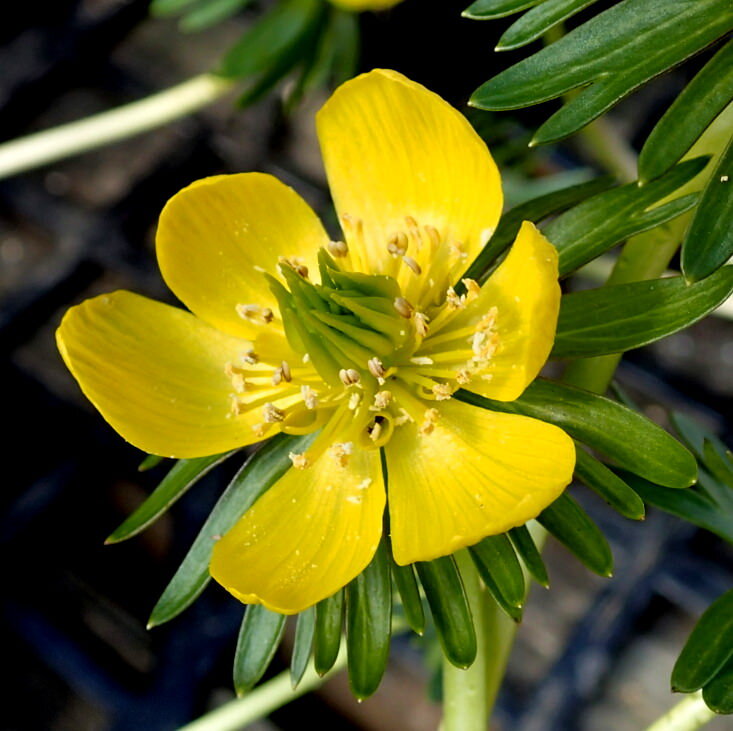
{"x":42,"y":148}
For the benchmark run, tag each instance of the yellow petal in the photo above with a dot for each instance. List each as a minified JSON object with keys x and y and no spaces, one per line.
{"x":216,"y":236}
{"x":394,"y":149}
{"x":477,"y":473}
{"x":157,"y":374}
{"x":309,"y":535}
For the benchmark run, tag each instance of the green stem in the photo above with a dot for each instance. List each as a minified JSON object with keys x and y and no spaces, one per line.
{"x":42,"y":148}
{"x":689,"y":714}
{"x":259,"y":703}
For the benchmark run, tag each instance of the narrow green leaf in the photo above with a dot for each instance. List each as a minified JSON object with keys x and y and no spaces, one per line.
{"x":259,"y":637}
{"x":302,"y":645}
{"x":210,"y":13}
{"x":626,"y":436}
{"x":700,"y":102}
{"x":718,"y":693}
{"x":594,"y":226}
{"x":369,"y":624}
{"x":608,"y":485}
{"x":262,"y":470}
{"x":608,"y":56}
{"x":347,"y":47}
{"x":263,"y":46}
{"x":537,"y":21}
{"x":691,"y":433}
{"x":523,"y":543}
{"x":624,"y":316}
{"x":170,"y":7}
{"x":500,"y":570}
{"x":152,"y":460}
{"x":718,"y":463}
{"x":708,"y":243}
{"x":449,"y":606}
{"x":406,"y":583}
{"x":490,"y":9}
{"x":183,"y":475}
{"x":329,"y":625}
{"x":707,"y":649}
{"x":572,"y":526}
{"x":533,"y":210}
{"x":695,"y":505}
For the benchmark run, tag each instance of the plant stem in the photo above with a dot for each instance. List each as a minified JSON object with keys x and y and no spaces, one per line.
{"x":259,"y":703}
{"x":42,"y":148}
{"x":689,"y":714}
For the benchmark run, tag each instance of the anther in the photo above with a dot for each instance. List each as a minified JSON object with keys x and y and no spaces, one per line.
{"x":403,"y":307}
{"x":421,"y":324}
{"x":355,"y":400}
{"x":375,"y":431}
{"x":430,"y":417}
{"x":402,"y":418}
{"x":295,"y":265}
{"x":300,"y":461}
{"x":349,"y":376}
{"x":277,"y":376}
{"x":309,"y":397}
{"x":463,"y":376}
{"x":267,"y":315}
{"x":442,"y":391}
{"x":340,"y":451}
{"x":376,"y":368}
{"x":338,"y":248}
{"x":421,"y":360}
{"x":433,"y":234}
{"x":472,"y":288}
{"x":410,"y":262}
{"x":397,"y":245}
{"x":285,"y":370}
{"x":250,"y":357}
{"x":271,"y":414}
{"x":382,"y":400}
{"x":453,"y":300}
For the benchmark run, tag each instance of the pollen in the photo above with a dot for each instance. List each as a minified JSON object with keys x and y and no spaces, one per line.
{"x":382,"y":400}
{"x":375,"y":431}
{"x":249,"y":357}
{"x":376,"y":368}
{"x":338,"y":249}
{"x":341,"y":451}
{"x":463,"y":376}
{"x":255,"y":313}
{"x":403,"y":307}
{"x":453,"y":300}
{"x":473,"y":289}
{"x":421,"y":324}
{"x":271,"y":414}
{"x":295,"y":264}
{"x":354,"y":400}
{"x":402,"y":417}
{"x":309,"y":397}
{"x":430,"y":418}
{"x":442,"y":391}
{"x":397,"y":245}
{"x":349,"y":376}
{"x":300,"y":461}
{"x":412,"y":264}
{"x":422,"y":360}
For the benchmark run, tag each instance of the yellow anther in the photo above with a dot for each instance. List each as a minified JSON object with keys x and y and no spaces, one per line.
{"x":382,"y":400}
{"x":463,"y":376}
{"x":453,"y":300}
{"x":422,"y":360}
{"x":341,"y":451}
{"x":250,"y":357}
{"x":375,"y":431}
{"x":457,"y":249}
{"x":433,"y":235}
{"x":355,"y":400}
{"x":338,"y":248}
{"x":402,"y":417}
{"x":442,"y":391}
{"x":376,"y":368}
{"x":397,"y":245}
{"x":285,"y":369}
{"x":472,"y":288}
{"x":421,"y":324}
{"x":349,"y":376}
{"x":271,"y":414}
{"x":430,"y":418}
{"x":403,"y":307}
{"x":300,"y":461}
{"x":309,"y":397}
{"x":412,"y":264}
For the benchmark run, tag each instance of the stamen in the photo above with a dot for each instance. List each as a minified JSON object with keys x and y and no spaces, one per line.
{"x":271,"y":414}
{"x":355,"y":400}
{"x":402,"y":418}
{"x":277,"y":376}
{"x":421,"y":324}
{"x":472,"y":288}
{"x":403,"y":307}
{"x":442,"y":391}
{"x":295,"y":264}
{"x":397,"y":245}
{"x":382,"y":400}
{"x":376,"y":368}
{"x":340,"y":451}
{"x":349,"y":376}
{"x":375,"y":431}
{"x":300,"y":461}
{"x":410,"y":262}
{"x":463,"y":376}
{"x":422,"y":360}
{"x":456,"y":249}
{"x":338,"y":248}
{"x":309,"y":397}
{"x":250,"y":357}
{"x":430,"y":418}
{"x":259,"y":429}
{"x":453,"y":301}
{"x":433,"y":235}
{"x":285,"y":369}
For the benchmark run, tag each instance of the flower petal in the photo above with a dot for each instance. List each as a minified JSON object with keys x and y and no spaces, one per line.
{"x":394,"y":149}
{"x":477,"y":473}
{"x":157,"y":374}
{"x":217,"y":236}
{"x":306,"y":537}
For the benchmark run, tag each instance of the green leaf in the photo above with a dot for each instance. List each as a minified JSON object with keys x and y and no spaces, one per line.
{"x":259,"y":636}
{"x":262,"y":470}
{"x":449,"y":606}
{"x":170,"y":7}
{"x":369,"y":624}
{"x":537,"y":21}
{"x":594,"y":226}
{"x":570,"y":524}
{"x":210,"y":13}
{"x":184,"y":474}
{"x":152,"y":460}
{"x":608,"y":485}
{"x":692,"y":434}
{"x":500,"y":570}
{"x":406,"y":583}
{"x":609,"y":56}
{"x":709,"y":241}
{"x":707,"y":649}
{"x":533,"y":210}
{"x":524,"y":545}
{"x":718,"y":693}
{"x":302,"y":645}
{"x":689,"y":116}
{"x":620,"y":317}
{"x":329,"y":624}
{"x":626,"y":436}
{"x":490,"y":9}
{"x":265,"y":44}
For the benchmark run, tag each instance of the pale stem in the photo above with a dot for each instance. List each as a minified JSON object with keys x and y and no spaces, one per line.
{"x":689,"y":714}
{"x":42,"y":148}
{"x":270,"y":696}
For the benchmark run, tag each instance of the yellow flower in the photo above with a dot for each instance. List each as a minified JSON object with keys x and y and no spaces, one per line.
{"x":364,"y":339}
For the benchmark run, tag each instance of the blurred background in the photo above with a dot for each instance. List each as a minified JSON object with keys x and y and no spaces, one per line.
{"x":591,"y":654}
